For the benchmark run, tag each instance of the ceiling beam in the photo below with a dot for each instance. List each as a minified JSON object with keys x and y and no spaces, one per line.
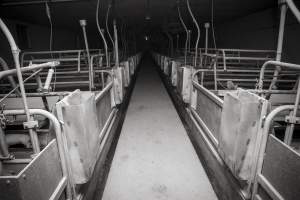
{"x":22,"y":3}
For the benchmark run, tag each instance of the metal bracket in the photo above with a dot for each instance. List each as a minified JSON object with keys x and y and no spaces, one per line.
{"x":292,"y":120}
{"x":30,"y":124}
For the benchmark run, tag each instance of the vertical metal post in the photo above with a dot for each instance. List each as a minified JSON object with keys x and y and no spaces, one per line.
{"x":3,"y":146}
{"x":177,"y":43}
{"x":83,"y":24}
{"x":280,"y":42}
{"x":189,"y":41}
{"x":206,"y":26}
{"x":290,"y":128}
{"x":187,"y":33}
{"x":116,"y":43}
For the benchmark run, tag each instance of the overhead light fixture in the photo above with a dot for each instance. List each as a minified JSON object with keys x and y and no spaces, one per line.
{"x":148,"y":16}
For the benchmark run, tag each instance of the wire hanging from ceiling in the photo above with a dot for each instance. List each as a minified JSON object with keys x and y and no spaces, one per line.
{"x":198,"y":31}
{"x":106,"y":24}
{"x":186,"y":30}
{"x":48,"y":13}
{"x":100,"y":32}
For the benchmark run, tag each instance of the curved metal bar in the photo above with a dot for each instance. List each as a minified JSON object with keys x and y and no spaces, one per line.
{"x":107,"y":29}
{"x":100,"y":32}
{"x":29,"y":68}
{"x":198,"y":32}
{"x":262,"y":149}
{"x":274,"y":63}
{"x":59,"y":137}
{"x":186,"y":30}
{"x":16,"y":53}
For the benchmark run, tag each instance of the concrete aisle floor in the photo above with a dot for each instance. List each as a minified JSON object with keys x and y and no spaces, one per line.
{"x":154,"y":158}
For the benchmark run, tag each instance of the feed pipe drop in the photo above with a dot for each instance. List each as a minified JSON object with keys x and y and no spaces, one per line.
{"x":106,"y":24}
{"x":116,"y":43}
{"x":83,"y":24}
{"x":186,"y":30}
{"x":198,"y":32}
{"x":101,"y":34}
{"x":16,"y":53}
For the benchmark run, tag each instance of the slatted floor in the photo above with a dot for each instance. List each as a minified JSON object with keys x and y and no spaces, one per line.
{"x":154,"y":158}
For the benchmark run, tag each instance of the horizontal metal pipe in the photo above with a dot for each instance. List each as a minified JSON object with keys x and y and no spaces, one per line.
{"x":39,"y":94}
{"x":274,"y":63}
{"x":101,"y":94}
{"x":29,"y":68}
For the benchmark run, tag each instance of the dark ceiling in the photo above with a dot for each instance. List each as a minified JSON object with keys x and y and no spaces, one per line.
{"x":163,"y":13}
{"x":132,"y":12}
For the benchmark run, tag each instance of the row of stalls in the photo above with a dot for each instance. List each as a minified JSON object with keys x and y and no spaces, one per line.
{"x":59,"y":115}
{"x":241,"y":107}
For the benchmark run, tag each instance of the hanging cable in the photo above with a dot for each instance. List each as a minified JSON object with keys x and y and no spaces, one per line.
{"x":106,"y":24}
{"x":186,"y":30}
{"x":212,"y":24}
{"x":198,"y":31}
{"x":100,"y":32}
{"x":48,"y":12}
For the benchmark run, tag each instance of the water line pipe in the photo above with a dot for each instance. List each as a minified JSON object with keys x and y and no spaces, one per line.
{"x":101,"y":34}
{"x":198,"y":32}
{"x":29,"y":68}
{"x":83,"y":24}
{"x":186,"y":31}
{"x":106,"y":24}
{"x":171,"y":52}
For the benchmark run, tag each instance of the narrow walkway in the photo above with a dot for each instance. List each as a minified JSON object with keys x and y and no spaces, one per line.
{"x":154,"y":158}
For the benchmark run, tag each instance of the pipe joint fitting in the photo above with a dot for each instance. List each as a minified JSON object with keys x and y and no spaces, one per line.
{"x":82,"y":22}
{"x":31,"y":124}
